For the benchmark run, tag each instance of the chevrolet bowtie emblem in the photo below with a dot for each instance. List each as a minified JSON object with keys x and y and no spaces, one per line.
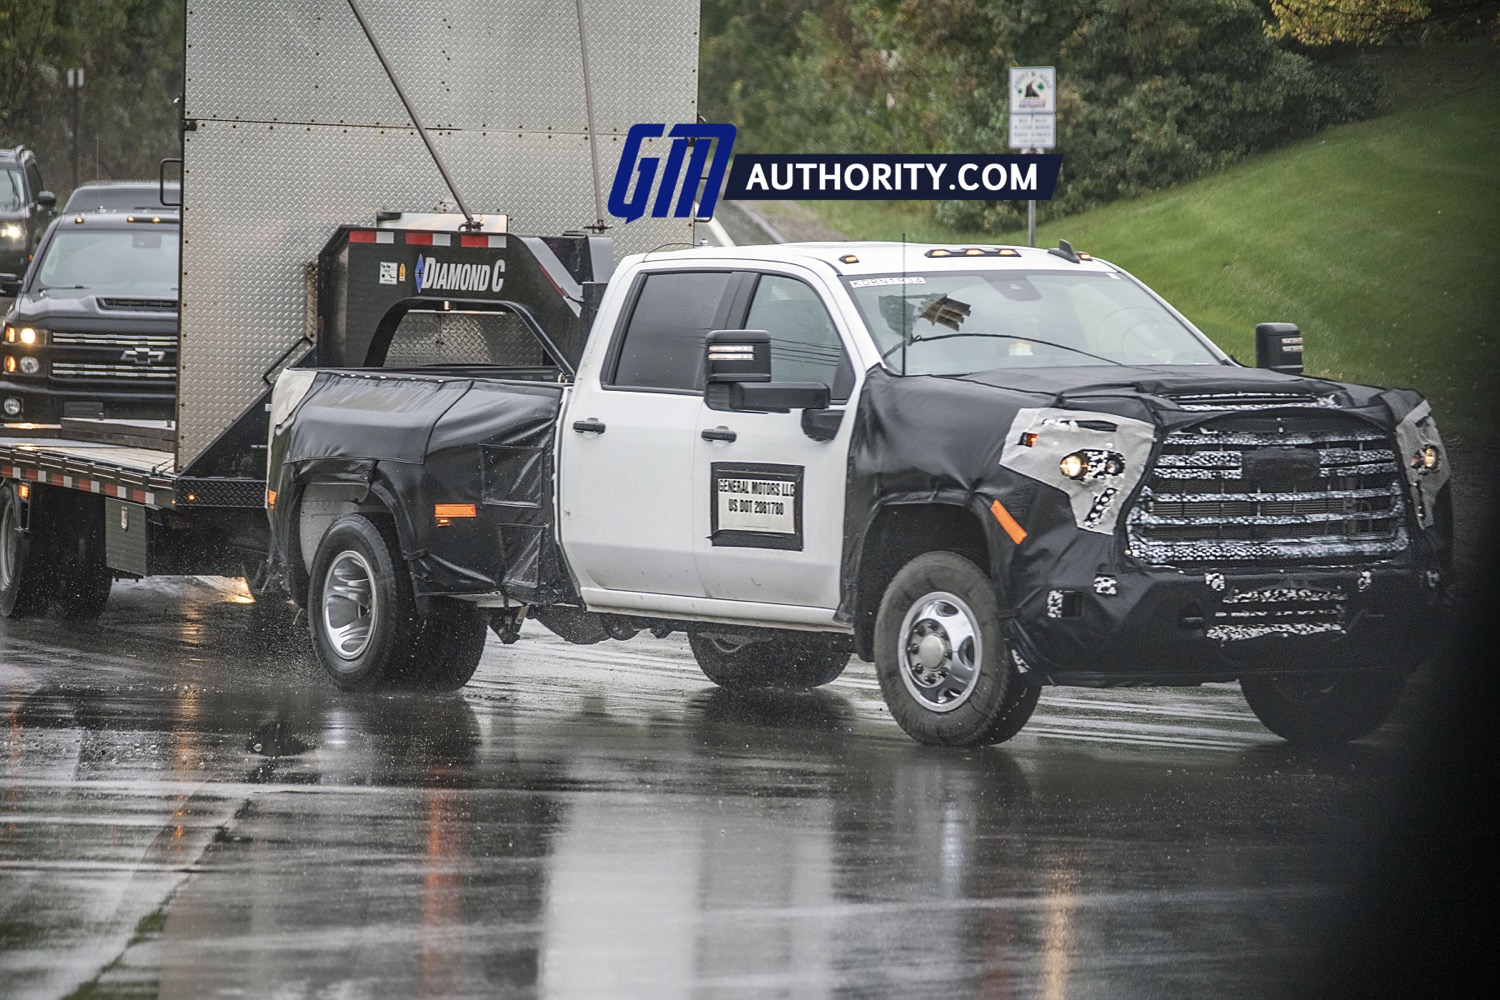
{"x":143,"y":355}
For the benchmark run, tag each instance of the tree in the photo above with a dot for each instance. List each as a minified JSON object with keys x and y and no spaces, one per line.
{"x":1375,"y":22}
{"x":131,"y":53}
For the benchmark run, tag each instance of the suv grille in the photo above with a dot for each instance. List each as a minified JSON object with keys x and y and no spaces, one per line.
{"x":1226,"y":495}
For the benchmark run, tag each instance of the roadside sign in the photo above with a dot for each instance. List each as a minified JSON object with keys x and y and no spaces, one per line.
{"x":1033,"y":131}
{"x":1033,"y":107}
{"x":1033,"y":90}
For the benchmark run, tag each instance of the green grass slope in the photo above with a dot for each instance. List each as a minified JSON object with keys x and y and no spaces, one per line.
{"x":1381,"y":239}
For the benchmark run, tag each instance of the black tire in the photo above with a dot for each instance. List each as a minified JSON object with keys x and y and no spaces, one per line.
{"x":83,"y":580}
{"x":451,"y":642}
{"x":360,"y":609}
{"x":1323,"y":709}
{"x":777,"y":662}
{"x":942,"y":659}
{"x":26,"y":579}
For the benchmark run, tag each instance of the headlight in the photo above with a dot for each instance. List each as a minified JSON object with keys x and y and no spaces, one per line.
{"x":11,"y":231}
{"x":1426,"y":459}
{"x":1092,"y":463}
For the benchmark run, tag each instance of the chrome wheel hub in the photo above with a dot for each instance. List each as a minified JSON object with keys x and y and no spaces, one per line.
{"x":941,"y":651}
{"x":349,"y":608}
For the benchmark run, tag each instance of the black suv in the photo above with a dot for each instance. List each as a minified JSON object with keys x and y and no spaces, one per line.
{"x":93,"y":331}
{"x":25,"y":209}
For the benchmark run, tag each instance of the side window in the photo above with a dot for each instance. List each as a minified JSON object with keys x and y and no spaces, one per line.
{"x":663,"y":343}
{"x":805,"y":346}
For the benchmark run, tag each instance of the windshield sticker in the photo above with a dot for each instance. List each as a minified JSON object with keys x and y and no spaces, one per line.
{"x":915,"y":279}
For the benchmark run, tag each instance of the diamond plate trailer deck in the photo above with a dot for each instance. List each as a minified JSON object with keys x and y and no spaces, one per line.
{"x":291,"y":130}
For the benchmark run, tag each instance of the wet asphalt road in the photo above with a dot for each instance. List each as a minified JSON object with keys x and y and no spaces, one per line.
{"x":187,"y":809}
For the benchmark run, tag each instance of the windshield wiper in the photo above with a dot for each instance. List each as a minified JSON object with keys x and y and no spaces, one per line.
{"x":1002,"y":336}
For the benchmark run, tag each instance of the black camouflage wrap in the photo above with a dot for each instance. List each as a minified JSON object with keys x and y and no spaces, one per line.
{"x":407,"y":442}
{"x":941,"y":440}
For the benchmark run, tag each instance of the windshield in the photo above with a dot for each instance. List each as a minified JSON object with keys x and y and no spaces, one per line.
{"x":121,"y":198}
{"x":139,"y":262}
{"x":955,"y":323}
{"x":12,"y":193}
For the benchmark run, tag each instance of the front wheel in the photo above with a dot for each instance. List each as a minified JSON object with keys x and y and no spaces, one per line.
{"x":1323,"y":709}
{"x":944,"y":666}
{"x":732,"y":662}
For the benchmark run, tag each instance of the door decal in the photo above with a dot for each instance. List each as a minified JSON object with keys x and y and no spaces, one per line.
{"x":756,"y":506}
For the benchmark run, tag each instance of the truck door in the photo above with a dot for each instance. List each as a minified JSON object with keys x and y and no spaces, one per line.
{"x":626,"y":486}
{"x":769,"y":498}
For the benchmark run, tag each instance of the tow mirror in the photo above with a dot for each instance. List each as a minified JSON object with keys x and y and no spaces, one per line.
{"x":738,"y":367}
{"x":1278,"y":346}
{"x":738,"y":356}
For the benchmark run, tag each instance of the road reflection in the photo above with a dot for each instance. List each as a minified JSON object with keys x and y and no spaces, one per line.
{"x":222,"y":821}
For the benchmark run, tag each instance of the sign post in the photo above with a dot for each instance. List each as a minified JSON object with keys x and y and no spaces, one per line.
{"x":75,"y":84}
{"x":1033,"y":119}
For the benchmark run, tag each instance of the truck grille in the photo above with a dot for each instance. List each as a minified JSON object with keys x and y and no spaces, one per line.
{"x":1278,"y":610}
{"x":1227,"y":495}
{"x":122,"y":341}
{"x":1248,"y":400}
{"x":139,"y":305}
{"x":81,"y":370}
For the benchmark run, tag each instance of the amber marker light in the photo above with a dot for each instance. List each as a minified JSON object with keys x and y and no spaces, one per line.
{"x":1427,"y":459}
{"x":446,"y":512}
{"x":1008,"y":523}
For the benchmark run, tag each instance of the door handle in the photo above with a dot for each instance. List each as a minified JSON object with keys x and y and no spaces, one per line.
{"x":589,"y":426}
{"x":719,"y":434}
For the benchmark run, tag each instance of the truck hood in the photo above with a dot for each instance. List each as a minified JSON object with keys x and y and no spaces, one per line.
{"x":1175,"y":385}
{"x":86,"y":310}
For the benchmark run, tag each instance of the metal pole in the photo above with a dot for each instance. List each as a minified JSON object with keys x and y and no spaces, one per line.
{"x":588,"y":107}
{"x":77,"y":92}
{"x":437,"y":158}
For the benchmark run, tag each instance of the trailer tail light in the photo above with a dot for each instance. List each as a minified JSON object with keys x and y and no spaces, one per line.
{"x":446,"y":512}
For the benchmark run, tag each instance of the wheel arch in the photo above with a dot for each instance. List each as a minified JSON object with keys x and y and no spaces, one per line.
{"x":901,"y":530}
{"x":322,"y":501}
